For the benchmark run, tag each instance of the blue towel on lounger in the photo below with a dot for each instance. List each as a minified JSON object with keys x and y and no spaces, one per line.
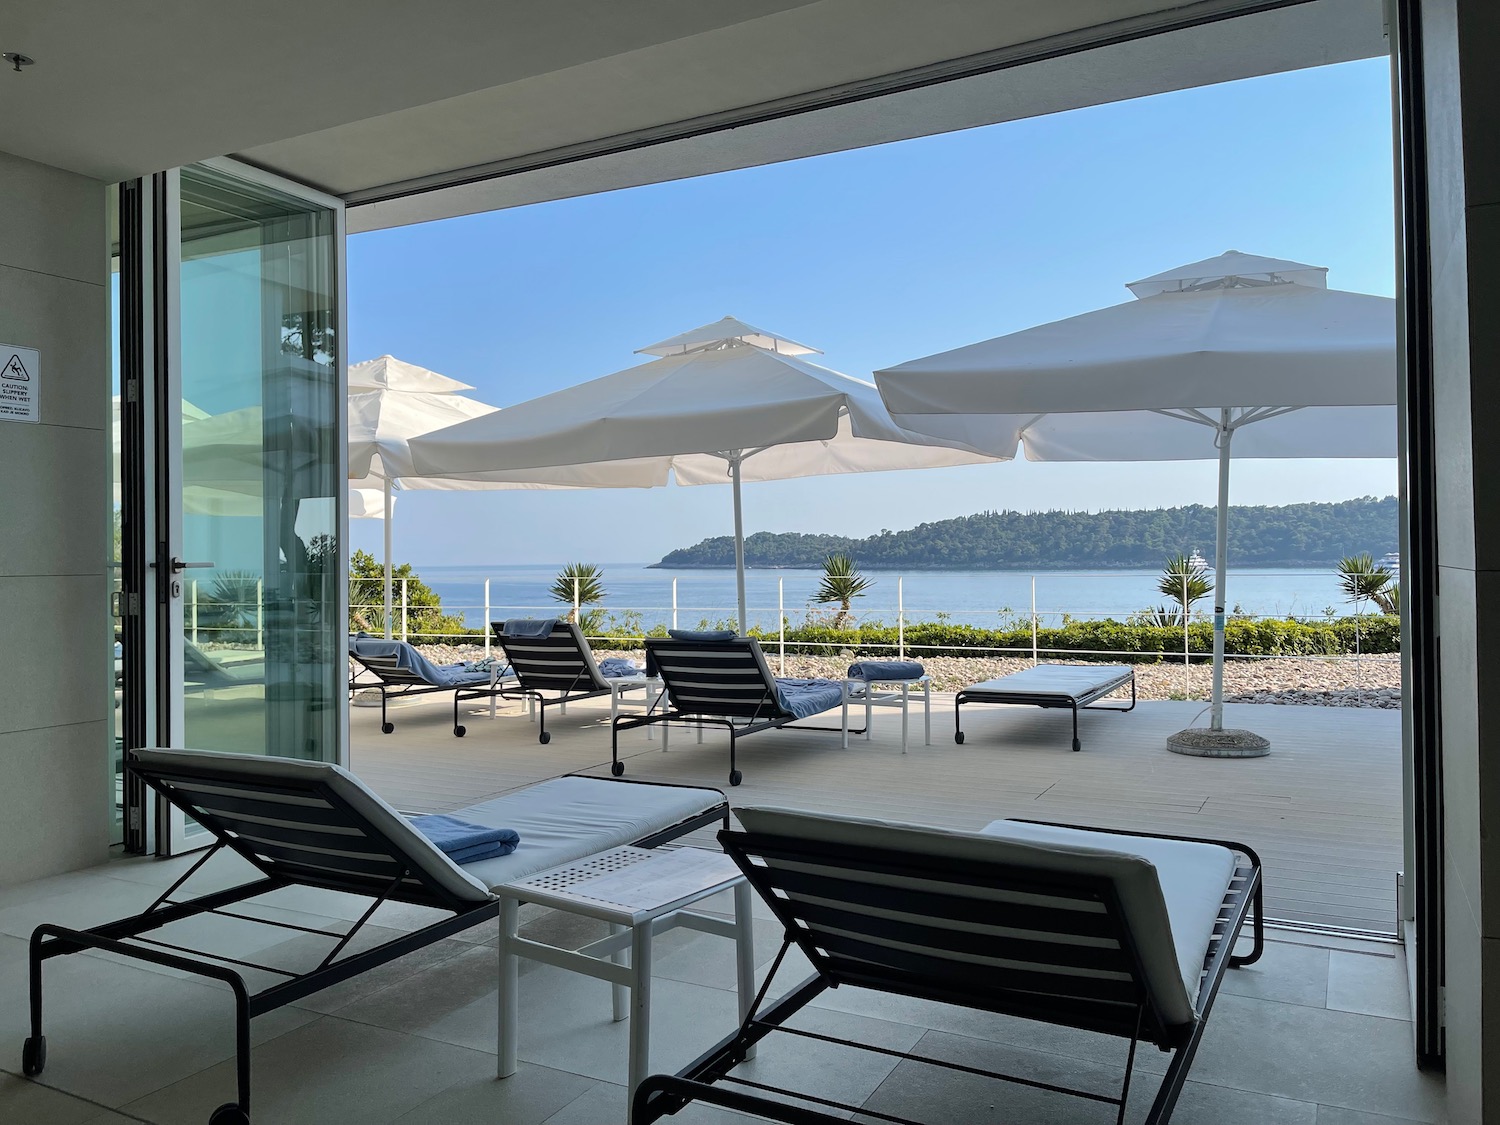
{"x":408,"y":659}
{"x":883,"y":670}
{"x":618,"y":667}
{"x":808,"y":697}
{"x":463,"y":842}
{"x":528,"y":627}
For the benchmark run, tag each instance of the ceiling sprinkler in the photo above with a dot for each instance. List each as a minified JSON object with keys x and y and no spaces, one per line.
{"x":18,"y":60}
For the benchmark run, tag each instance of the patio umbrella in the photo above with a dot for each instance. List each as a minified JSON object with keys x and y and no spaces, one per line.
{"x":724,"y":401}
{"x":1230,"y":344}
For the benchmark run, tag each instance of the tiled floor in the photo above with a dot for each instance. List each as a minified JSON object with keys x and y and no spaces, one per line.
{"x":1323,"y":810}
{"x":1311,"y":1035}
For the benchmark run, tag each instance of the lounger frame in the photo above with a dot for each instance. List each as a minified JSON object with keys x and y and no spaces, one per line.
{"x":746,"y":703}
{"x":1044,"y":699}
{"x":828,"y":936}
{"x":391,"y":679}
{"x":535,"y":662}
{"x":322,"y":808}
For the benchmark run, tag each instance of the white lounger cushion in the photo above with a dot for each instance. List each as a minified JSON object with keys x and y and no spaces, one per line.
{"x":558,"y":820}
{"x":568,"y":818}
{"x":1192,"y":881}
{"x":1071,"y":681}
{"x":1186,"y":899}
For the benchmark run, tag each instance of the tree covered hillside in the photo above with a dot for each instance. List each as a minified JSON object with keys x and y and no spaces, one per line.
{"x":1291,"y":535}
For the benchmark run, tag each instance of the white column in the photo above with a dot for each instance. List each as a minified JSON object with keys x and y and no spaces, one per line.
{"x":900,"y":619}
{"x":389,"y":514}
{"x":739,"y":538}
{"x":1221,"y":547}
{"x":486,"y":625}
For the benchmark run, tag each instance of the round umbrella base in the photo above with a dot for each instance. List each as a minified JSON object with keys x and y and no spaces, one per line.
{"x":1203,"y":742}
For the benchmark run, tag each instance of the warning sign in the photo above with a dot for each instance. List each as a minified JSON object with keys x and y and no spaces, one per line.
{"x":20,"y":373}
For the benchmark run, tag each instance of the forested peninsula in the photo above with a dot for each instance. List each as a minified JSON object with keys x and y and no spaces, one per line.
{"x":1292,"y":535}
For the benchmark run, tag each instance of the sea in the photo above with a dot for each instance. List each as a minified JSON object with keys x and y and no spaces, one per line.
{"x":984,"y":598}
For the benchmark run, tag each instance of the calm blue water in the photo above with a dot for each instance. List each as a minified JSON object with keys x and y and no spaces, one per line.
{"x":983,"y":598}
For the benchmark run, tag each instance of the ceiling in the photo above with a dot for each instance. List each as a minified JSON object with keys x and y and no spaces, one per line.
{"x":376,"y":100}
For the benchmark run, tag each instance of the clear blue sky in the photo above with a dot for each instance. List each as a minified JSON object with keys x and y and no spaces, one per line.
{"x":879,"y":256}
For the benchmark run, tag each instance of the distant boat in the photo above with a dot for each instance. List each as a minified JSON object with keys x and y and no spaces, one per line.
{"x":1197,"y":561}
{"x":1391,"y":562}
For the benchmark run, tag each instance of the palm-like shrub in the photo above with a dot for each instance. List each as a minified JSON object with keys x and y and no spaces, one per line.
{"x":1186,"y":583}
{"x":1362,"y":581}
{"x":578,"y":584}
{"x":842,"y":583}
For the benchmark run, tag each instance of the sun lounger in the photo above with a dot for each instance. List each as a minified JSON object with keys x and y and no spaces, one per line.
{"x":315,"y":825}
{"x":727,"y":683}
{"x":400,"y":670}
{"x":1050,"y":685}
{"x":555,"y":666}
{"x":1127,"y":935}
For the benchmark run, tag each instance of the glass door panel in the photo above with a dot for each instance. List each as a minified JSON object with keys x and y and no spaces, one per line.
{"x":253,"y":579}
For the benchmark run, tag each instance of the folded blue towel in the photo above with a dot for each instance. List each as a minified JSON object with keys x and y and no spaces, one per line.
{"x":803,"y":698}
{"x":881,"y":670}
{"x":528,"y":627}
{"x":701,"y":634}
{"x":463,"y":842}
{"x":618,"y":667}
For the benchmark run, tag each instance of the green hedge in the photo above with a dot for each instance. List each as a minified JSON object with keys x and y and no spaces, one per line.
{"x":1266,"y":637}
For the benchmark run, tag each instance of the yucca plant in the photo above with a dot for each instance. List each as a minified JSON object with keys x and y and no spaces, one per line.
{"x":1185,"y":582}
{"x":1362,"y":581}
{"x":578,"y":584}
{"x":842,"y":583}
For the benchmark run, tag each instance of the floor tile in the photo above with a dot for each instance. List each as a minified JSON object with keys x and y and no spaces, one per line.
{"x":454,"y":1001}
{"x":115,"y":1032}
{"x":1336,"y":1115}
{"x":1293,"y":974}
{"x":527,"y":1097}
{"x":330,"y":1072}
{"x":1375,"y":986}
{"x":31,"y":1103}
{"x":604,"y":1104}
{"x":1309,"y":1054}
{"x":707,"y":959}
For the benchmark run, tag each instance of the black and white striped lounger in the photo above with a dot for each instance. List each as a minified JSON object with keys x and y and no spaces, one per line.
{"x":400,"y":670}
{"x":1050,"y":685}
{"x":727,"y":683}
{"x":1122,"y":934}
{"x":316,"y":825}
{"x":556,"y":670}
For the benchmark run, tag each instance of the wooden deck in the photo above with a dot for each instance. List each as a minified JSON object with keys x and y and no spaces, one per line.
{"x":1323,"y":810}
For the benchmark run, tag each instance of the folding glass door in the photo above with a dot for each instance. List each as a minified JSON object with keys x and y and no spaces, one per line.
{"x":247,"y":491}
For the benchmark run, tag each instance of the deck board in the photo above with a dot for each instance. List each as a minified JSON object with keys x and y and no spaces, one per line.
{"x":1324,"y":809}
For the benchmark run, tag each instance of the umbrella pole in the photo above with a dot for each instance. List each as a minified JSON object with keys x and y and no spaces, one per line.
{"x":388,"y":514}
{"x":1221,"y":544}
{"x":739,"y":538}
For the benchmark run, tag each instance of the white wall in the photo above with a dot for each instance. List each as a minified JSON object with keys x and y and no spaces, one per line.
{"x":54,"y":690}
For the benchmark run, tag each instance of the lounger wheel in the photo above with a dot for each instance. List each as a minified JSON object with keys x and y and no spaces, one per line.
{"x":387,"y":728}
{"x":460,"y":731}
{"x":735,"y":777}
{"x":545,"y":737}
{"x":958,"y":737}
{"x":33,"y":1055}
{"x":617,"y":768}
{"x":229,"y":1114}
{"x":1077,"y":745}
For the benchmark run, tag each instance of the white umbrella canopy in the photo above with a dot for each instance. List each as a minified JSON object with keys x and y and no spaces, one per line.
{"x":387,"y":373}
{"x":729,"y":402}
{"x":1233,"y":343}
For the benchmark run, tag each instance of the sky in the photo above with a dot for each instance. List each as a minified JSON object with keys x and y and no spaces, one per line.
{"x":875,"y":257}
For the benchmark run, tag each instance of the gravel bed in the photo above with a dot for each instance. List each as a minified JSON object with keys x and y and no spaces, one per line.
{"x":1372,"y":681}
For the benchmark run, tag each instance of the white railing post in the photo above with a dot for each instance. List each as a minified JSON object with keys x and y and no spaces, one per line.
{"x":781,"y":622}
{"x":1187,"y":672}
{"x":193,"y":607}
{"x":403,"y":609}
{"x":486,"y":626}
{"x":260,"y":613}
{"x":1034,"y":655}
{"x":577,"y":617}
{"x":900,"y":618}
{"x":674,"y":603}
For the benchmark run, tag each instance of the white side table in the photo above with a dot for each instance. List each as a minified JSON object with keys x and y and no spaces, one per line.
{"x":640,"y":893}
{"x":885,"y":693}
